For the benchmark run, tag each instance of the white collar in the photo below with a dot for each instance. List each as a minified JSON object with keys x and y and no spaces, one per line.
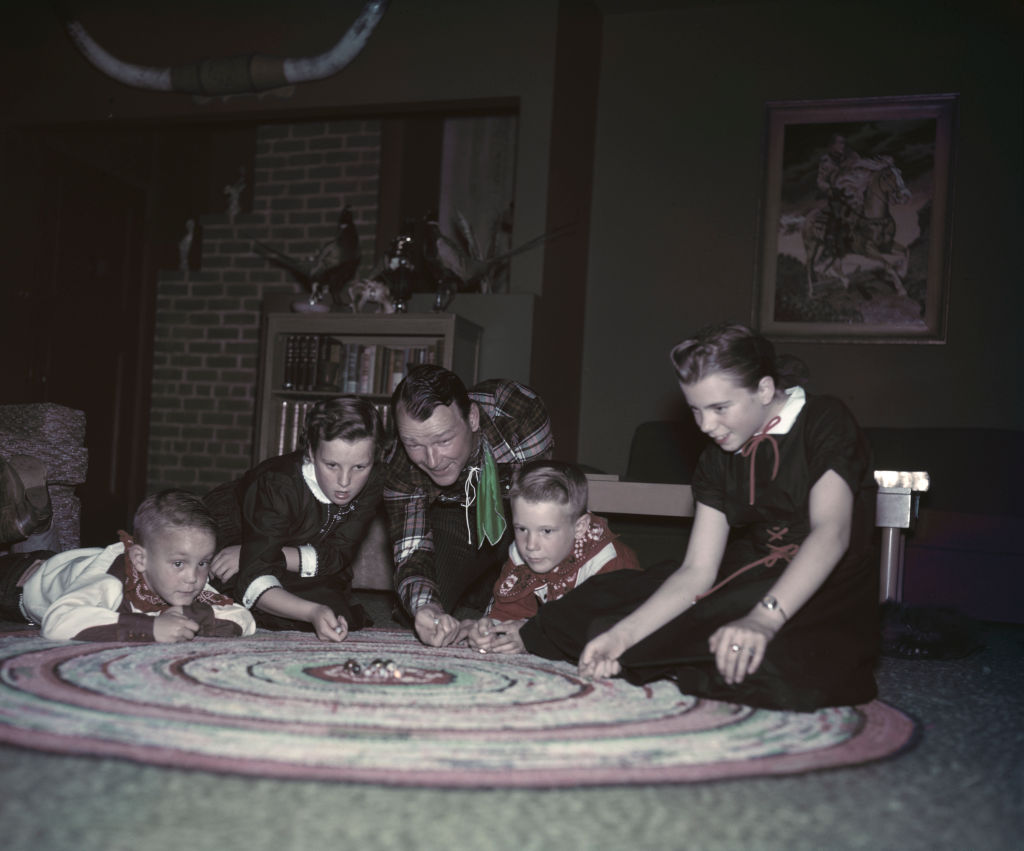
{"x":795,"y":399}
{"x":513,"y":554}
{"x":309,"y":474}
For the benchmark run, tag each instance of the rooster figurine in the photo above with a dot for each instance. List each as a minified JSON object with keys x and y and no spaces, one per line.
{"x":338,"y":260}
{"x":334,"y":265}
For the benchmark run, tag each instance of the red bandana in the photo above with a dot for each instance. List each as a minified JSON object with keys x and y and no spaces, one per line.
{"x":517,"y":584}
{"x":142,"y":598}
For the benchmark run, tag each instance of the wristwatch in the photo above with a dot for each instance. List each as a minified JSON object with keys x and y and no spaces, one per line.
{"x":772,"y":605}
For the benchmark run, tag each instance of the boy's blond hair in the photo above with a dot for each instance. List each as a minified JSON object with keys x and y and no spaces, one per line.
{"x":542,"y":480}
{"x":171,"y":509}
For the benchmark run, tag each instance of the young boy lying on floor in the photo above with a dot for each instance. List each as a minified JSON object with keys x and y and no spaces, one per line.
{"x":558,"y":546}
{"x":150,"y":588}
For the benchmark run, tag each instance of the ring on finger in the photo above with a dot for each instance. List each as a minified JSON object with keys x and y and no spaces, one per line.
{"x":735,"y":648}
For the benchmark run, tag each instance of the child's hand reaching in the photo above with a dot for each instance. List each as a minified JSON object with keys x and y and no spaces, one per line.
{"x":225,"y":563}
{"x":600,"y":658}
{"x":506,"y":637}
{"x":172,"y":626}
{"x":489,"y":636}
{"x":329,"y":626}
{"x":478,"y":634}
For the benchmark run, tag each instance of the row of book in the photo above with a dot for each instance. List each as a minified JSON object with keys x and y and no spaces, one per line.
{"x":325,"y":363}
{"x":292,"y":420}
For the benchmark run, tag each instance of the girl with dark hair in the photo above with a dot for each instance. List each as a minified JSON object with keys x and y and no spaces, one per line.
{"x":290,"y":528}
{"x":776,"y":601}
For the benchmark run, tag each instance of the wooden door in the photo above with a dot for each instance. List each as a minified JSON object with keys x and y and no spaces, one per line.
{"x":73,"y":309}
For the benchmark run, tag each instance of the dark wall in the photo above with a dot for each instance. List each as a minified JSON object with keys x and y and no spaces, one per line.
{"x":677,"y":161}
{"x":677,"y":184}
{"x":421,"y":55}
{"x":422,"y":58}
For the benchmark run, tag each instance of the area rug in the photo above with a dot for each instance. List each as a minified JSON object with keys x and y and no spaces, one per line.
{"x":382,"y":708}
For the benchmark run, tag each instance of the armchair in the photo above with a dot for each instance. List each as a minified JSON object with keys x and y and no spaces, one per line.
{"x":55,"y":435}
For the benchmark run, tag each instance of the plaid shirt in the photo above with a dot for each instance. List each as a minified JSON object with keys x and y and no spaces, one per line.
{"x":514,"y":425}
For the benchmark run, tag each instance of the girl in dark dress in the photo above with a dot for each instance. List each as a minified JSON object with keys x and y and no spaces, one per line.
{"x":290,"y":528}
{"x":776,"y":601}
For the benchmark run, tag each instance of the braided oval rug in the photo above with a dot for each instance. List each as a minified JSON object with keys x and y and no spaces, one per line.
{"x":285,"y":705}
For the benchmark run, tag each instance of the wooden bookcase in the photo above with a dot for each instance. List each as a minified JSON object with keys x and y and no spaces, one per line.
{"x":309,"y":356}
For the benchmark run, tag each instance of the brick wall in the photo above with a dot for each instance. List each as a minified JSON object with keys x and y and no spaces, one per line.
{"x":206,"y":341}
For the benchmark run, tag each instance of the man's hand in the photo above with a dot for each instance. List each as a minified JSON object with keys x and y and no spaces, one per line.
{"x":225,"y":563}
{"x":171,"y":626}
{"x":329,"y":626}
{"x":435,"y":627}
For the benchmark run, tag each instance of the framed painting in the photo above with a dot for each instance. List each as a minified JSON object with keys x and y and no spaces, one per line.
{"x":855,"y":219}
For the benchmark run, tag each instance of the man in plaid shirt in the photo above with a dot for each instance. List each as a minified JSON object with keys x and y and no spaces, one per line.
{"x":445,"y":485}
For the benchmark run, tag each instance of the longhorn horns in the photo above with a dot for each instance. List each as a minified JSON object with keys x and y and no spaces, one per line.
{"x":233,"y":74}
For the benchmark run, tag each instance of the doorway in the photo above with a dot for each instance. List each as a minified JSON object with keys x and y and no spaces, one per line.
{"x":73,"y":298}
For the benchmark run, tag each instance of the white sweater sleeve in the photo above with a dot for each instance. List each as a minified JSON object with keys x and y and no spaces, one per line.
{"x":236,"y":613}
{"x":72,"y":591}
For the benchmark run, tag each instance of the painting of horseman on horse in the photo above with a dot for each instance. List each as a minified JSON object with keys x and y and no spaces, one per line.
{"x":854,"y":222}
{"x":857,"y":217}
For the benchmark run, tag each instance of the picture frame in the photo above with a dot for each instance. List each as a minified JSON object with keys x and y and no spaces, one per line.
{"x":862,"y":187}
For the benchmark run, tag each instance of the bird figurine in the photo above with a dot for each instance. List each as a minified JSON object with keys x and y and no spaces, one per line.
{"x":333,"y":266}
{"x":338,"y":260}
{"x":475,"y":265}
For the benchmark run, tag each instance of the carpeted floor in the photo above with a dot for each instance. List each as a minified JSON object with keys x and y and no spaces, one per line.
{"x":961,"y":787}
{"x":383,"y":708}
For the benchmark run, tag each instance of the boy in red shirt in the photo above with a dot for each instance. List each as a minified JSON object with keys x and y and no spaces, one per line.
{"x":558,"y":546}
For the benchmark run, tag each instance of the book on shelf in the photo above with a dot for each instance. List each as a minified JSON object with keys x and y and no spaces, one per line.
{"x":326,"y":363}
{"x":301,"y":361}
{"x":329,"y":363}
{"x":367,"y":362}
{"x":292,"y":422}
{"x":290,"y":355}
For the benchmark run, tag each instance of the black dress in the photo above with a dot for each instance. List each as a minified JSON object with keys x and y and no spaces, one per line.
{"x":825,"y":654}
{"x":273,"y":506}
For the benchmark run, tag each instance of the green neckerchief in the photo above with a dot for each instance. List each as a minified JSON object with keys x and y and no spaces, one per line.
{"x":490,"y":516}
